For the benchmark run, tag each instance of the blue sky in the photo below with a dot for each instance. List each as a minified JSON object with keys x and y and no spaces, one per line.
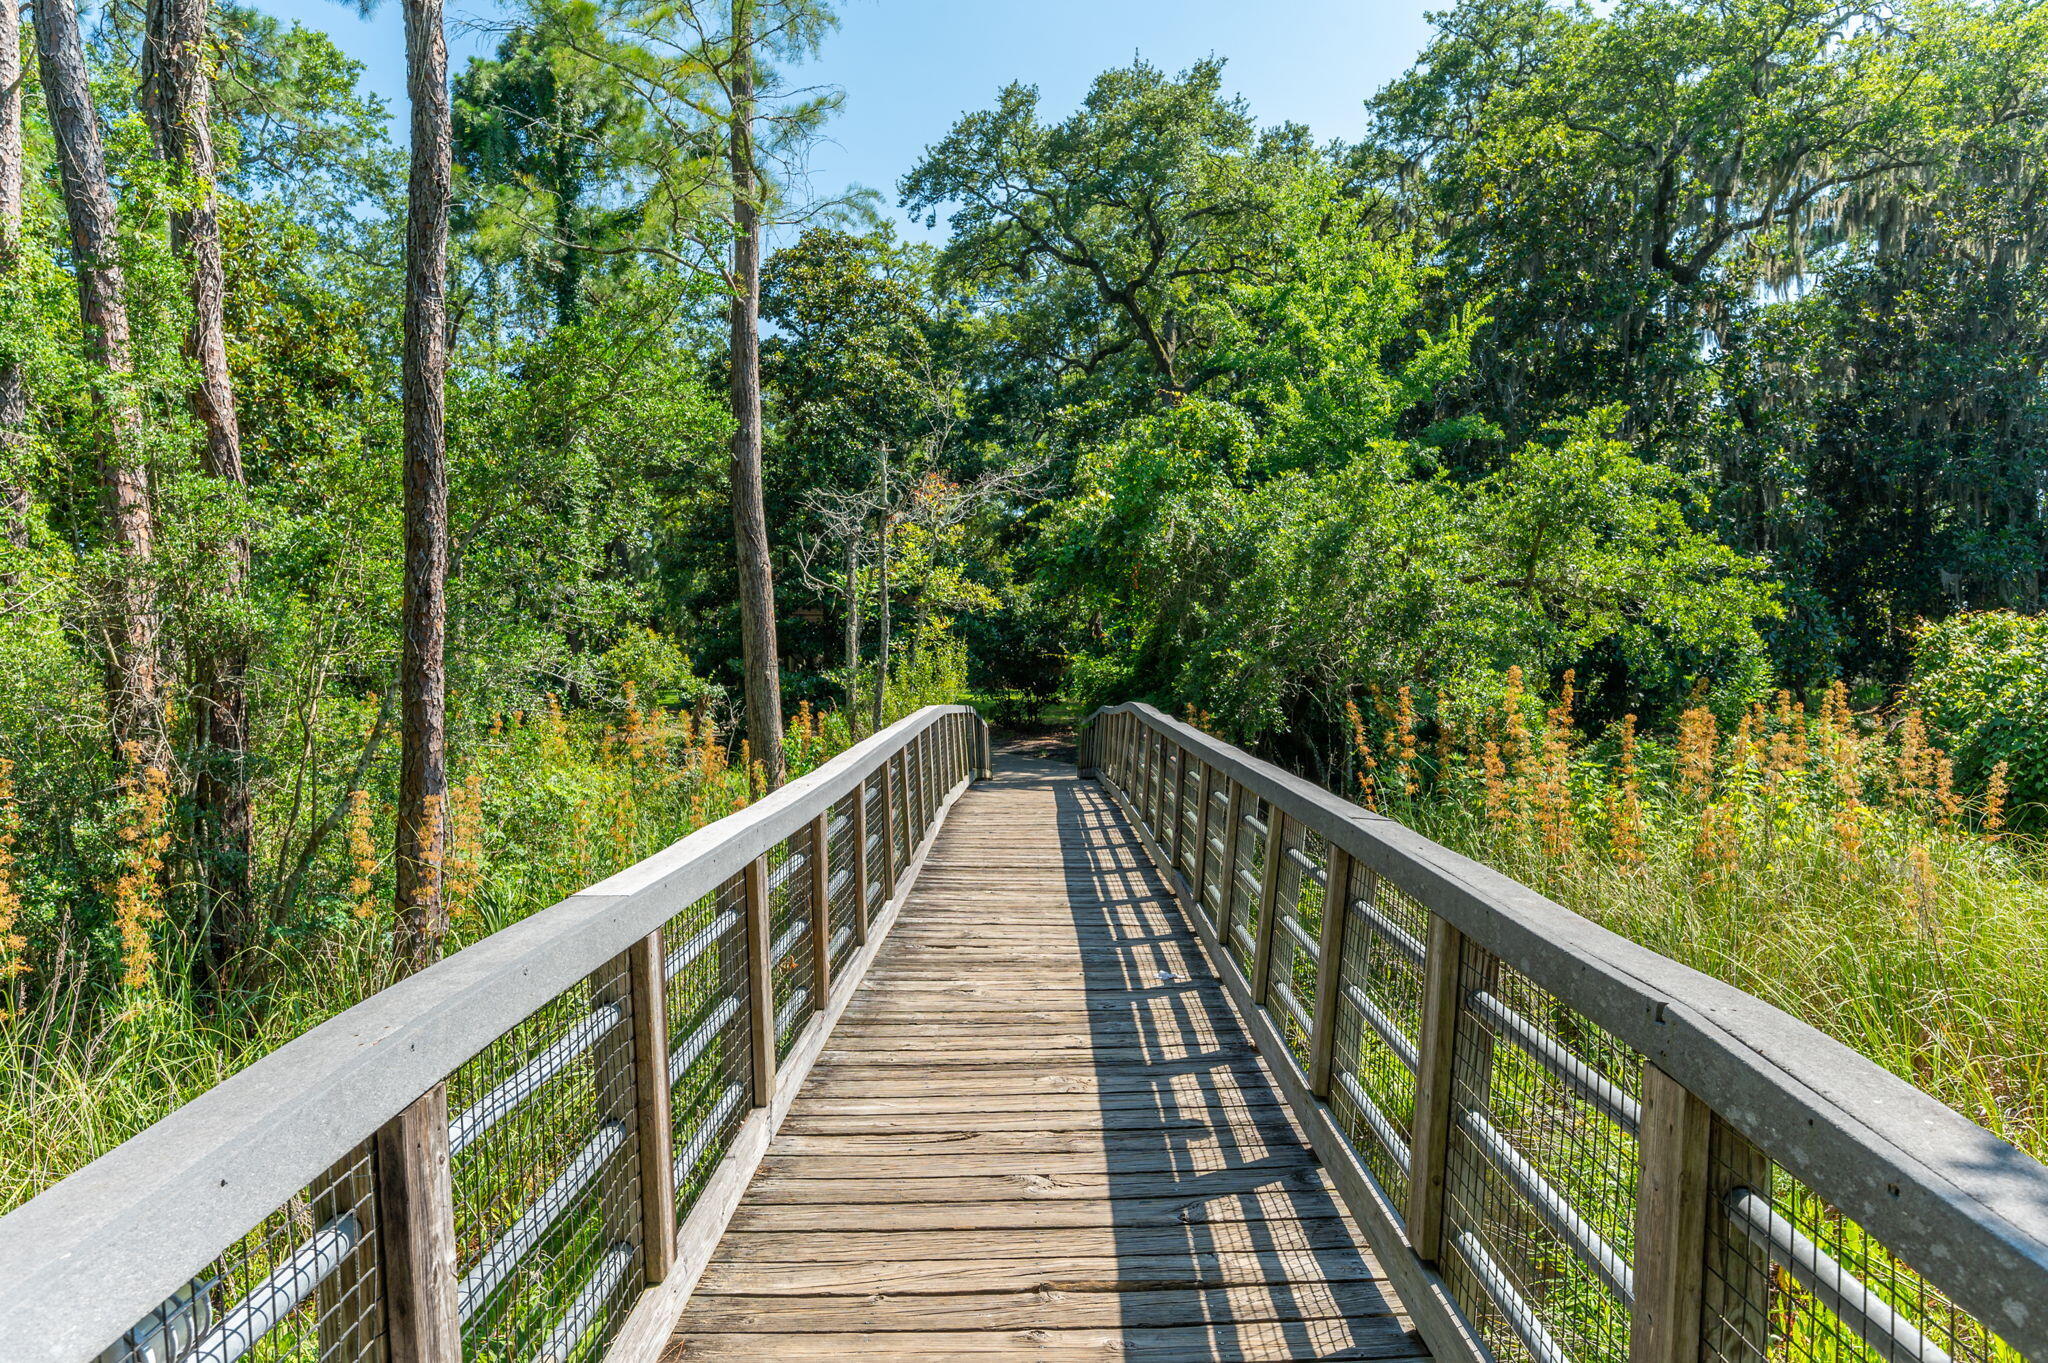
{"x":910,"y":67}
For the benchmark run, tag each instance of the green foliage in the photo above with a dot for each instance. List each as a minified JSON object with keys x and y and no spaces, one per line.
{"x":1797,"y":243}
{"x":1118,"y":219}
{"x":1982,"y":678}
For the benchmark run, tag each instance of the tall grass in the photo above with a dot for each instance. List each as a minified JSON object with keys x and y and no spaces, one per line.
{"x":1822,"y":861}
{"x":541,"y":804}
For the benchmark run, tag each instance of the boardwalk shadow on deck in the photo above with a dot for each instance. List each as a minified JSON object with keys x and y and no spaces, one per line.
{"x":1041,"y":1133}
{"x":1321,"y":1298}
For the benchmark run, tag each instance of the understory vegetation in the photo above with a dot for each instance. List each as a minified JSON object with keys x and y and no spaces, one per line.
{"x":1622,"y":456}
{"x":1823,"y":861}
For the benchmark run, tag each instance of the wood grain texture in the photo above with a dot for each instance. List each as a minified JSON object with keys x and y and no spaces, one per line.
{"x":1671,"y":1223}
{"x":1040,"y":1130}
{"x":416,"y":1234}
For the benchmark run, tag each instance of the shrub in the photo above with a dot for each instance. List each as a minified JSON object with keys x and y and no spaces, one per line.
{"x":1982,"y":679}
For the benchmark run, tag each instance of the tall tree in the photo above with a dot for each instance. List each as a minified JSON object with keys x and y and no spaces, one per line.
{"x":133,"y":687}
{"x":14,"y":503}
{"x":1118,"y":216}
{"x":422,"y":919}
{"x":176,"y":97}
{"x":544,"y":138}
{"x":749,"y":516}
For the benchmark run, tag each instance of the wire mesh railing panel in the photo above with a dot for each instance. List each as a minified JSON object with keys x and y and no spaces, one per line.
{"x":546,"y":1173}
{"x":1297,"y":919}
{"x":1187,"y":810}
{"x":899,"y":823}
{"x":1541,"y":1171}
{"x":299,"y":1288}
{"x":1789,"y":1279}
{"x":843,"y":882}
{"x":1378,"y":1024}
{"x":710,"y":1070}
{"x":875,"y":855}
{"x":1215,"y":877}
{"x":1242,"y":935}
{"x":790,"y":941}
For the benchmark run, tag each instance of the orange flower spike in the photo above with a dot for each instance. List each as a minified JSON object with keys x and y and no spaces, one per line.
{"x":1697,"y":744}
{"x":12,"y":942}
{"x":362,"y":855}
{"x":1995,"y":794}
{"x":1626,"y":813}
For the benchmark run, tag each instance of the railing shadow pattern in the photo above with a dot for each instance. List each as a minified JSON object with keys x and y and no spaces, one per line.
{"x":1566,"y":1148}
{"x":1205,"y":1166}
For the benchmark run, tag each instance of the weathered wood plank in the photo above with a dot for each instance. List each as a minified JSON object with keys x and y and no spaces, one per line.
{"x":1041,"y":1130}
{"x":844,"y":1246}
{"x":1311,"y":1271}
{"x":1084,"y":1295}
{"x":1249,"y":1342}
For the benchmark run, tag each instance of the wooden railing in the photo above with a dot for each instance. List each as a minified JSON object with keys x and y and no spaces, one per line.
{"x":526,"y":1151}
{"x":1565,"y":1147}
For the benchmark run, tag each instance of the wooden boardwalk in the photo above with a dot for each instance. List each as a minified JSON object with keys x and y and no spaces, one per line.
{"x":1040,"y":1132}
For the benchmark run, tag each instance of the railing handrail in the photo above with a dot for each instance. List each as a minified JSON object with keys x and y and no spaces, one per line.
{"x":1967,"y":1210}
{"x":85,"y":1259}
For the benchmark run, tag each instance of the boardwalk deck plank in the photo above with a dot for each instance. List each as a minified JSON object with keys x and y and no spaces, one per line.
{"x":1041,"y":1131}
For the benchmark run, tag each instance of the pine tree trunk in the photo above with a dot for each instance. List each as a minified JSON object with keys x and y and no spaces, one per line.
{"x":134,"y":703}
{"x":176,"y":96}
{"x":14,"y":503}
{"x":749,"y":517}
{"x":422,"y":914}
{"x":852,"y":631}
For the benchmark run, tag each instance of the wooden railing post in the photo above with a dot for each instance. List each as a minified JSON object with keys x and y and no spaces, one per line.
{"x":760,"y":981}
{"x":821,"y":908}
{"x":860,"y":861}
{"x":1436,"y":1048}
{"x":1690,"y":1270}
{"x":648,"y":991}
{"x":615,"y":1079}
{"x":1671,"y":1223}
{"x":1269,"y":902}
{"x":416,"y":1233}
{"x":1329,"y":970}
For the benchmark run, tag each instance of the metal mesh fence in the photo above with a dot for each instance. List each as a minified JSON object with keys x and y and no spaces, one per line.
{"x":1540,"y":1175}
{"x":1297,"y":916}
{"x":899,"y":822}
{"x":875,"y":859}
{"x":1542,"y":1164}
{"x":790,"y":963}
{"x":709,"y":1069}
{"x":1791,"y":1280}
{"x":1186,"y":811}
{"x":302,"y":1286}
{"x":543,"y":1124}
{"x":1215,"y":874}
{"x":844,"y":881}
{"x":1378,"y":1021}
{"x":546,"y":1174}
{"x":1242,"y":937}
